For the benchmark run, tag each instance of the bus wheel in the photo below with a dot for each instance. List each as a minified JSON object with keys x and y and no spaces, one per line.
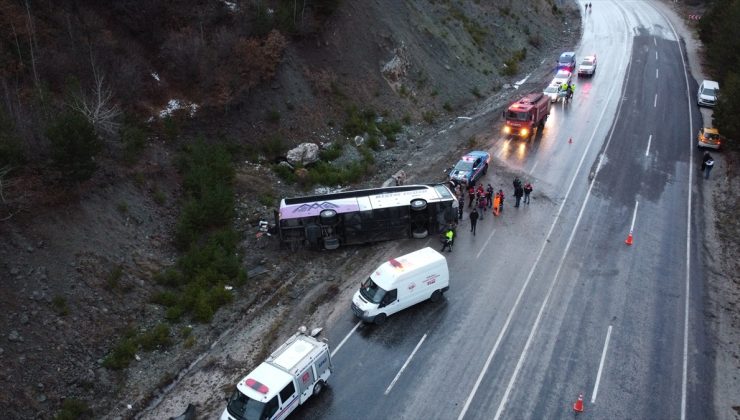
{"x":418,"y":204}
{"x":379,"y":319}
{"x":436,"y":296}
{"x":328,"y":217}
{"x":318,"y":387}
{"x":420,"y":233}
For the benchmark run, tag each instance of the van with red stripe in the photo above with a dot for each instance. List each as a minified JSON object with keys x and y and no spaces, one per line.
{"x":294,"y":372}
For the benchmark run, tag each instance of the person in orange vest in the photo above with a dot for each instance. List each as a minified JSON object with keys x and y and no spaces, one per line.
{"x":496,"y":204}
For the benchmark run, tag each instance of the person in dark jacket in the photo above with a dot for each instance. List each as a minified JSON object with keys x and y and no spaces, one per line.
{"x":518,"y":193}
{"x":527,"y":190}
{"x":473,"y":220}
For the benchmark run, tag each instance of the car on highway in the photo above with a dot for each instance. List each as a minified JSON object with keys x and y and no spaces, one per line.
{"x":552,"y":91}
{"x":587,"y":66}
{"x":710,"y":138}
{"x":562,"y":76}
{"x":470,"y":168}
{"x":567,"y":61}
{"x":708,"y":92}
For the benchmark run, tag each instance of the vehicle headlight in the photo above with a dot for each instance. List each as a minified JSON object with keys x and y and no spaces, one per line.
{"x":507,"y":129}
{"x":525,"y":131}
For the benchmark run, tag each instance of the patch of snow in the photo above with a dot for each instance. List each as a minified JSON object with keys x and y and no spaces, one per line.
{"x":231,"y":5}
{"x":174,"y":105}
{"x":155,"y":76}
{"x":329,"y":190}
{"x":521,"y":82}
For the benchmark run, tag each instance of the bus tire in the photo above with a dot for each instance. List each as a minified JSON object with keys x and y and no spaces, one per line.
{"x":317,"y":388}
{"x":436,"y":296}
{"x":379,"y":319}
{"x":328,"y":217}
{"x":418,"y":204}
{"x":420,"y":233}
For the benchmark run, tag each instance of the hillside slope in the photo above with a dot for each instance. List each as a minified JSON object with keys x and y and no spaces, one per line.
{"x":77,"y":262}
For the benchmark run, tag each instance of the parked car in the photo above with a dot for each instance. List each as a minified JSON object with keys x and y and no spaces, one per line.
{"x":588,"y":66}
{"x":710,"y":138}
{"x":708,"y":93}
{"x":567,"y":61}
{"x":471,"y":167}
{"x":552,"y":91}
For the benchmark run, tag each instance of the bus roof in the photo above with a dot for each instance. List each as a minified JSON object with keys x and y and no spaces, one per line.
{"x":357,"y":200}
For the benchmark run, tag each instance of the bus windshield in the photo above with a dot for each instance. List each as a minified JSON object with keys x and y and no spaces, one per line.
{"x":242,"y":407}
{"x":371,"y":291}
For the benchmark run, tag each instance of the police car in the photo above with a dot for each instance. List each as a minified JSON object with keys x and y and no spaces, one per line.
{"x":471,"y":167}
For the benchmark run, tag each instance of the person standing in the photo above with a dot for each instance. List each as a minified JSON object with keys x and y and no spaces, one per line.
{"x":708,"y":165}
{"x":489,"y":196}
{"x":448,"y":237}
{"x":518,"y":193}
{"x":460,"y":208}
{"x":501,"y":204}
{"x":704,"y":160}
{"x":473,"y":220}
{"x":517,"y":182}
{"x":482,"y":206}
{"x":471,"y":195}
{"x":527,"y":190}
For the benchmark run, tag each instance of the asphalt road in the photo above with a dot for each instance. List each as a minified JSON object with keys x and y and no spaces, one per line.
{"x":547,"y":301}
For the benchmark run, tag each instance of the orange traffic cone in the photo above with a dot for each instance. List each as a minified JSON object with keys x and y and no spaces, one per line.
{"x":578,"y":406}
{"x":629,"y":239}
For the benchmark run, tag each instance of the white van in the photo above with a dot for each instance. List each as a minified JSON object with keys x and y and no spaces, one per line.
{"x":708,"y":92}
{"x":294,"y":372}
{"x":400,"y":283}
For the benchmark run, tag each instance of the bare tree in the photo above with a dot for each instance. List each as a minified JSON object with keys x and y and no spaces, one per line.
{"x":98,"y":106}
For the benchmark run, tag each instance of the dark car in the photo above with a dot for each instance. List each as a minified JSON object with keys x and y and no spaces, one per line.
{"x":470,"y":168}
{"x":567,"y":61}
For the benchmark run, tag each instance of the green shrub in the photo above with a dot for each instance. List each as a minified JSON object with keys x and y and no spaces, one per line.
{"x":114,"y":277}
{"x":123,"y":353}
{"x":159,"y":336}
{"x":11,"y":150}
{"x":74,"y":145}
{"x":389,"y":129}
{"x":447,"y":107}
{"x":358,"y":121}
{"x":171,"y":128}
{"x":285,"y":173}
{"x":429,"y":116}
{"x":74,"y":409}
{"x":59,"y":304}
{"x":133,"y":138}
{"x":332,"y":152}
{"x":476,"y":92}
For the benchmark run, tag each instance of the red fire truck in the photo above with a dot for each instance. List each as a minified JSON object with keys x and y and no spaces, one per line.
{"x":526,"y":115}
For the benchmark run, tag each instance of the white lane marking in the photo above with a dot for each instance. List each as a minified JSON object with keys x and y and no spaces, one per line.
{"x":647,"y":151}
{"x":684,"y":376}
{"x":523,"y":355}
{"x":656,"y":55}
{"x":530,"y":338}
{"x":601,"y":365}
{"x":656,"y":73}
{"x":487,"y":240}
{"x":556,"y":219}
{"x":634,"y":216}
{"x":655,"y":42}
{"x":398,"y":375}
{"x":341,"y":343}
{"x":655,"y":102}
{"x":533,"y":166}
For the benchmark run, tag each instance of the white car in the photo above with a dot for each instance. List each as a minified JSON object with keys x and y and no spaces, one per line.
{"x":708,"y":93}
{"x":562,"y":76}
{"x":552,"y":92}
{"x":588,"y":66}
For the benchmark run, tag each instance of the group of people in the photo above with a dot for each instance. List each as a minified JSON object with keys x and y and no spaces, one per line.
{"x":568,"y":88}
{"x":481,"y":200}
{"x":587,"y":6}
